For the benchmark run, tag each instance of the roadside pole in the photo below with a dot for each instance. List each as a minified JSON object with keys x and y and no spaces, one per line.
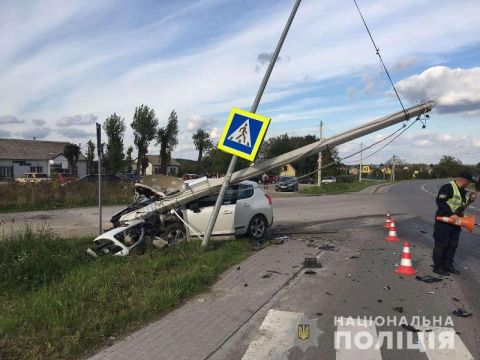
{"x":393,"y":169}
{"x":233,"y":162}
{"x":361,"y":160}
{"x":319,"y":174}
{"x":99,"y":152}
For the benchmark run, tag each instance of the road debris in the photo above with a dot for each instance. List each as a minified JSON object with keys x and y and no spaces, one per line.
{"x":283,"y":237}
{"x":461,"y":312}
{"x":310,"y":272}
{"x":387,"y":287}
{"x":327,"y":247}
{"x":311,"y":262}
{"x":455,"y":299}
{"x":327,"y":293}
{"x":274,"y":271}
{"x":354,"y":257}
{"x":379,"y":301}
{"x":428,"y":279}
{"x":431,"y":292}
{"x":238,"y":268}
{"x":398,"y":309}
{"x":267,"y":275}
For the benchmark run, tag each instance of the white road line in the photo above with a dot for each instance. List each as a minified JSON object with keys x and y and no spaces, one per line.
{"x":359,"y":326}
{"x":459,"y":351}
{"x":276,"y":336}
{"x":427,"y":191}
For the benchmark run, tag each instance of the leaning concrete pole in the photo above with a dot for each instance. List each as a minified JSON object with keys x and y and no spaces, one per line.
{"x":212,"y":186}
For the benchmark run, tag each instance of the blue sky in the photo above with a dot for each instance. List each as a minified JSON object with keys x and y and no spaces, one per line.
{"x":66,"y":64}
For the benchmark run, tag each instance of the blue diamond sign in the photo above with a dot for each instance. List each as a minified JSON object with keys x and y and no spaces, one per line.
{"x":243,"y":134}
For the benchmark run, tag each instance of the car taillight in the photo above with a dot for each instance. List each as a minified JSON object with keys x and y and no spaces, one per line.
{"x":269,"y":199}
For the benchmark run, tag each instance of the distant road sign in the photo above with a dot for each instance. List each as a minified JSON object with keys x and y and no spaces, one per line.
{"x":243,"y":134}
{"x":365,"y":169}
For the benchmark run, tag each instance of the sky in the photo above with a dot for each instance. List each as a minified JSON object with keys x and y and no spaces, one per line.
{"x":65,"y":65}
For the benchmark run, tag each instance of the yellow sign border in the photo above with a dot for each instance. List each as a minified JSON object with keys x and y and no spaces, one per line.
{"x":265,"y":123}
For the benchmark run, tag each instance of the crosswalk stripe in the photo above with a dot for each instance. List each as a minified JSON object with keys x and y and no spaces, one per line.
{"x":459,"y":351}
{"x":345,"y":352}
{"x":276,"y":336}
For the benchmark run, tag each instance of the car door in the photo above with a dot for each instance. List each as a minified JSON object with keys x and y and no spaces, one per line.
{"x":244,"y":207}
{"x":199,"y":212}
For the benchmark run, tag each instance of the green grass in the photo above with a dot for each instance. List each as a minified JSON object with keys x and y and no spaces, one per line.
{"x":338,"y":188}
{"x":58,"y":303}
{"x":47,"y":196}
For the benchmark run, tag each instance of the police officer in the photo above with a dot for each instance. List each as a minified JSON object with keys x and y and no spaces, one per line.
{"x":452,"y":199}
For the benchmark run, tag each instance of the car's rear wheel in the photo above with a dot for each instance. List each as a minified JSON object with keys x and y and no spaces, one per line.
{"x":257,"y":227}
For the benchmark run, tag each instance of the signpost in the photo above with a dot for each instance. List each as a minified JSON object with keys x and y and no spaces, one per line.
{"x":99,"y":153}
{"x":233,"y":162}
{"x":243,"y":134}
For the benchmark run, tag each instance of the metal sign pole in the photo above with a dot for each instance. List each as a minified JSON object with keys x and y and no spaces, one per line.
{"x":99,"y":152}
{"x":233,"y":162}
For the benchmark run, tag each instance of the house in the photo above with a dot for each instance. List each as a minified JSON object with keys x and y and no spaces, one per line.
{"x":288,"y":170}
{"x":18,"y":157}
{"x":154,"y":163}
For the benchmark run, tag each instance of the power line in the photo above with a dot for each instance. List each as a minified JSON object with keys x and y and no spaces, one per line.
{"x":381,"y":60}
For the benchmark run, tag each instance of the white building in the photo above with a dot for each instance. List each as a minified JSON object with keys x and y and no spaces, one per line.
{"x":18,"y":157}
{"x":154,"y":164}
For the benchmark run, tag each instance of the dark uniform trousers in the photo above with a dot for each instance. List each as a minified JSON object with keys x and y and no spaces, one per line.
{"x":446,"y":242}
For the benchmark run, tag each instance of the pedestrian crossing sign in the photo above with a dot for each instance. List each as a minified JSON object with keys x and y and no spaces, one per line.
{"x":243,"y":134}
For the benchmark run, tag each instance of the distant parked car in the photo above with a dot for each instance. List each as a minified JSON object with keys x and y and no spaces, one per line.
{"x":329,"y":180}
{"x":33,"y":178}
{"x":190,"y":176}
{"x":305,"y":180}
{"x":286,"y":183}
{"x":105,"y":178}
{"x":66,"y":178}
{"x":131,"y":177}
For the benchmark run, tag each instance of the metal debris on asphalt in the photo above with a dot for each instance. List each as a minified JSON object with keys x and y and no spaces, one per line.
{"x":431,"y":292}
{"x":310,"y":272}
{"x":311,"y":262}
{"x":428,"y":279}
{"x":461,"y":312}
{"x":386,"y":287}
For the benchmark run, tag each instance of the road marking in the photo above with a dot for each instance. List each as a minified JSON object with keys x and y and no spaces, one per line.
{"x":359,"y":327}
{"x":459,"y":351}
{"x":427,"y":191}
{"x":276,"y":336}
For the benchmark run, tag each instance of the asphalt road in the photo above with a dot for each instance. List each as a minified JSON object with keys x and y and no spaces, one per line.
{"x":358,"y":280}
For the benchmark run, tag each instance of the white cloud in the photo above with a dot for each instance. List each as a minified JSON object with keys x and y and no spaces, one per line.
{"x":87,"y":119}
{"x":39,"y":122}
{"x":405,"y":63}
{"x":214,"y":134}
{"x":75,"y":133}
{"x":37,"y":133}
{"x":195,"y":122}
{"x":10,"y":119}
{"x":454,"y":90}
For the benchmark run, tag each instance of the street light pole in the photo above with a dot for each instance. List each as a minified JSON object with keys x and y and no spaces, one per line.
{"x":99,"y":152}
{"x":319,"y":173}
{"x":361,"y":160}
{"x":233,"y":162}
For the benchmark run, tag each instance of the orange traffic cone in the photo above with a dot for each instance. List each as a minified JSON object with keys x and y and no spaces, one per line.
{"x":392,"y":233}
{"x":406,"y":267}
{"x":468,"y":221}
{"x":388,"y":220}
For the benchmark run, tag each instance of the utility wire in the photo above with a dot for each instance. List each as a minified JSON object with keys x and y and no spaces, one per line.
{"x":381,"y":60}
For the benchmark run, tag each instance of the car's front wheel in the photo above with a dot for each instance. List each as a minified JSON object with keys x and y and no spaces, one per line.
{"x":175,"y":233}
{"x":257,"y":227}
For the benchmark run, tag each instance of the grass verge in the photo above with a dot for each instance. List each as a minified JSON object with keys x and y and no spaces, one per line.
{"x":338,"y":188}
{"x":48,"y":196}
{"x":58,"y":303}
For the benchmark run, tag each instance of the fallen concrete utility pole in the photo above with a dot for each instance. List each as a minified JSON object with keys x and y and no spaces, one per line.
{"x":212,"y":186}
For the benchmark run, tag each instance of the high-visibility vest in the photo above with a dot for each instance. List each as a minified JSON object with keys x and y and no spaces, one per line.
{"x":456,"y":200}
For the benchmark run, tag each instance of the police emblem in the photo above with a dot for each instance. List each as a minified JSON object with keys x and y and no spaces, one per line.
{"x":303,"y":332}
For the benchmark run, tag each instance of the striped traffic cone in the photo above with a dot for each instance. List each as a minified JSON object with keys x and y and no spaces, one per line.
{"x":388,"y":220}
{"x":406,"y":267}
{"x":392,"y":233}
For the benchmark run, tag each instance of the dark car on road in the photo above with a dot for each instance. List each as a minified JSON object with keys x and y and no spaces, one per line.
{"x":130,"y":177}
{"x":105,"y":178}
{"x":286,"y":183}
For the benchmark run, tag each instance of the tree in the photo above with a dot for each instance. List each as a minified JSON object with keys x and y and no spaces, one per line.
{"x":129,"y":159}
{"x":71,"y":152}
{"x":114,"y":128}
{"x":167,"y":139}
{"x":448,"y":166}
{"x":202,"y":142}
{"x":144,"y":127}
{"x":90,"y":157}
